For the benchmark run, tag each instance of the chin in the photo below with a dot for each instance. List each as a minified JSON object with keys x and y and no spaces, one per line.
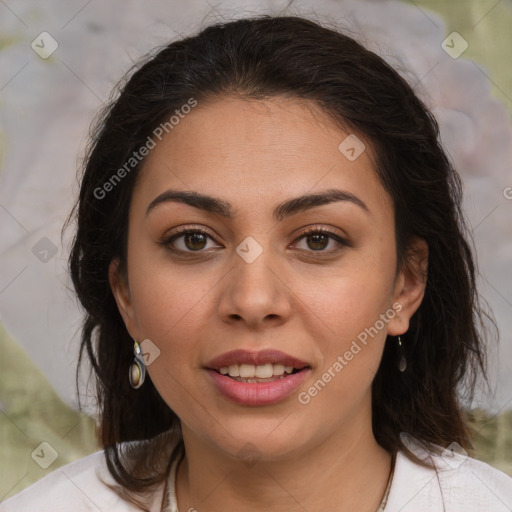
{"x":269,"y":440}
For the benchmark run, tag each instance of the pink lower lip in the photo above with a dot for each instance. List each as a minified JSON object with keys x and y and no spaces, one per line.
{"x":258,"y":393}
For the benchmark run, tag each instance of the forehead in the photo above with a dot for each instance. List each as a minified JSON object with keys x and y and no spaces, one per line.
{"x":252,"y":152}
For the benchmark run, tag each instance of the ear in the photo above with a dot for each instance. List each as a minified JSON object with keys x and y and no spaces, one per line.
{"x":121,"y":291}
{"x":410,"y":286}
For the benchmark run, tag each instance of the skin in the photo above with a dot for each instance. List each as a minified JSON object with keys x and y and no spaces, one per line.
{"x":255,"y":155}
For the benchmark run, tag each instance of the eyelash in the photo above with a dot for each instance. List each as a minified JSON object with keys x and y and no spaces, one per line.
{"x":330,"y":234}
{"x":167,"y":242}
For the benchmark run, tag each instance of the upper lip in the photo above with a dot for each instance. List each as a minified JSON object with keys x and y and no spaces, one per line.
{"x":256,"y":358}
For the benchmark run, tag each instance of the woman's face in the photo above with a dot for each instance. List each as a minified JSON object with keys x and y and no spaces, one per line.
{"x":253,"y":282}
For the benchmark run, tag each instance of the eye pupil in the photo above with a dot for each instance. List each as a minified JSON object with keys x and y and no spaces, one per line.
{"x":318,"y":239}
{"x":194,"y":237}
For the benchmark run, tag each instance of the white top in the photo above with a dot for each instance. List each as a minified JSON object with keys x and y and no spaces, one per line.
{"x":460,"y":484}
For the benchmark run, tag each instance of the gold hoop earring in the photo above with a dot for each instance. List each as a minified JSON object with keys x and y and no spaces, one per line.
{"x":137,"y":370}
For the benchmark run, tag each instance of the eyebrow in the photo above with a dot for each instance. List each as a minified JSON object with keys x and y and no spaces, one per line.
{"x":282,"y":210}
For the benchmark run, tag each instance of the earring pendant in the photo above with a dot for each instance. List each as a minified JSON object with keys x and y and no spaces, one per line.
{"x":402,"y":364}
{"x":137,"y":370}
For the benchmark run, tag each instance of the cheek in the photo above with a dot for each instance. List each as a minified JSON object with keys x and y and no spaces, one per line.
{"x":354,"y":327}
{"x":171,"y":312}
{"x":353,"y":322}
{"x":165,"y":297}
{"x":346,"y":300}
{"x":349,"y":312}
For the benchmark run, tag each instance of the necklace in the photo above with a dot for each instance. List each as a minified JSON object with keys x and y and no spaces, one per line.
{"x":382,"y":505}
{"x":169,"y":504}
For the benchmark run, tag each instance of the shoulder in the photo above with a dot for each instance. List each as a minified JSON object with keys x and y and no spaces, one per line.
{"x":81,"y":484}
{"x":454,"y":482}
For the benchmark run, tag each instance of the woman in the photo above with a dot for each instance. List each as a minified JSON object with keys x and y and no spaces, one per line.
{"x":280,"y":298}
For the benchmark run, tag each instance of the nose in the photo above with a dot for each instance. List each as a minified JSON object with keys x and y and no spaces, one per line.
{"x":256,"y":293}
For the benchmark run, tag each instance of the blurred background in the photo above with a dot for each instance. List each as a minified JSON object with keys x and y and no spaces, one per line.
{"x":58,"y":63}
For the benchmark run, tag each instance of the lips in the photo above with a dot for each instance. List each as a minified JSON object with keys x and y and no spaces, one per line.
{"x":257,"y":378}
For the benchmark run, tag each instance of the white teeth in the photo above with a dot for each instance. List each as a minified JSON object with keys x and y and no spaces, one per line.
{"x":278,"y":369}
{"x":247,"y":370}
{"x":233,"y":371}
{"x":261,"y":371}
{"x":264,"y":371}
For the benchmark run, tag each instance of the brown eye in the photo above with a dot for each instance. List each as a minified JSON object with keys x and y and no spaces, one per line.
{"x":188,"y":240}
{"x":318,"y":239}
{"x":317,"y":242}
{"x":195,"y":241}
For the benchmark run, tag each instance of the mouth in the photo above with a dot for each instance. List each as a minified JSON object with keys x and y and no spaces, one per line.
{"x":262,"y":366}
{"x":258,"y":373}
{"x":257,"y":378}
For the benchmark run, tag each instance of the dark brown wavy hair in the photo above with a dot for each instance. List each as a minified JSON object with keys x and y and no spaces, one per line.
{"x":258,"y":58}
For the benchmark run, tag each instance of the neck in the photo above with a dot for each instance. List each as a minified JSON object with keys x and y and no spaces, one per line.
{"x":347,"y":471}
